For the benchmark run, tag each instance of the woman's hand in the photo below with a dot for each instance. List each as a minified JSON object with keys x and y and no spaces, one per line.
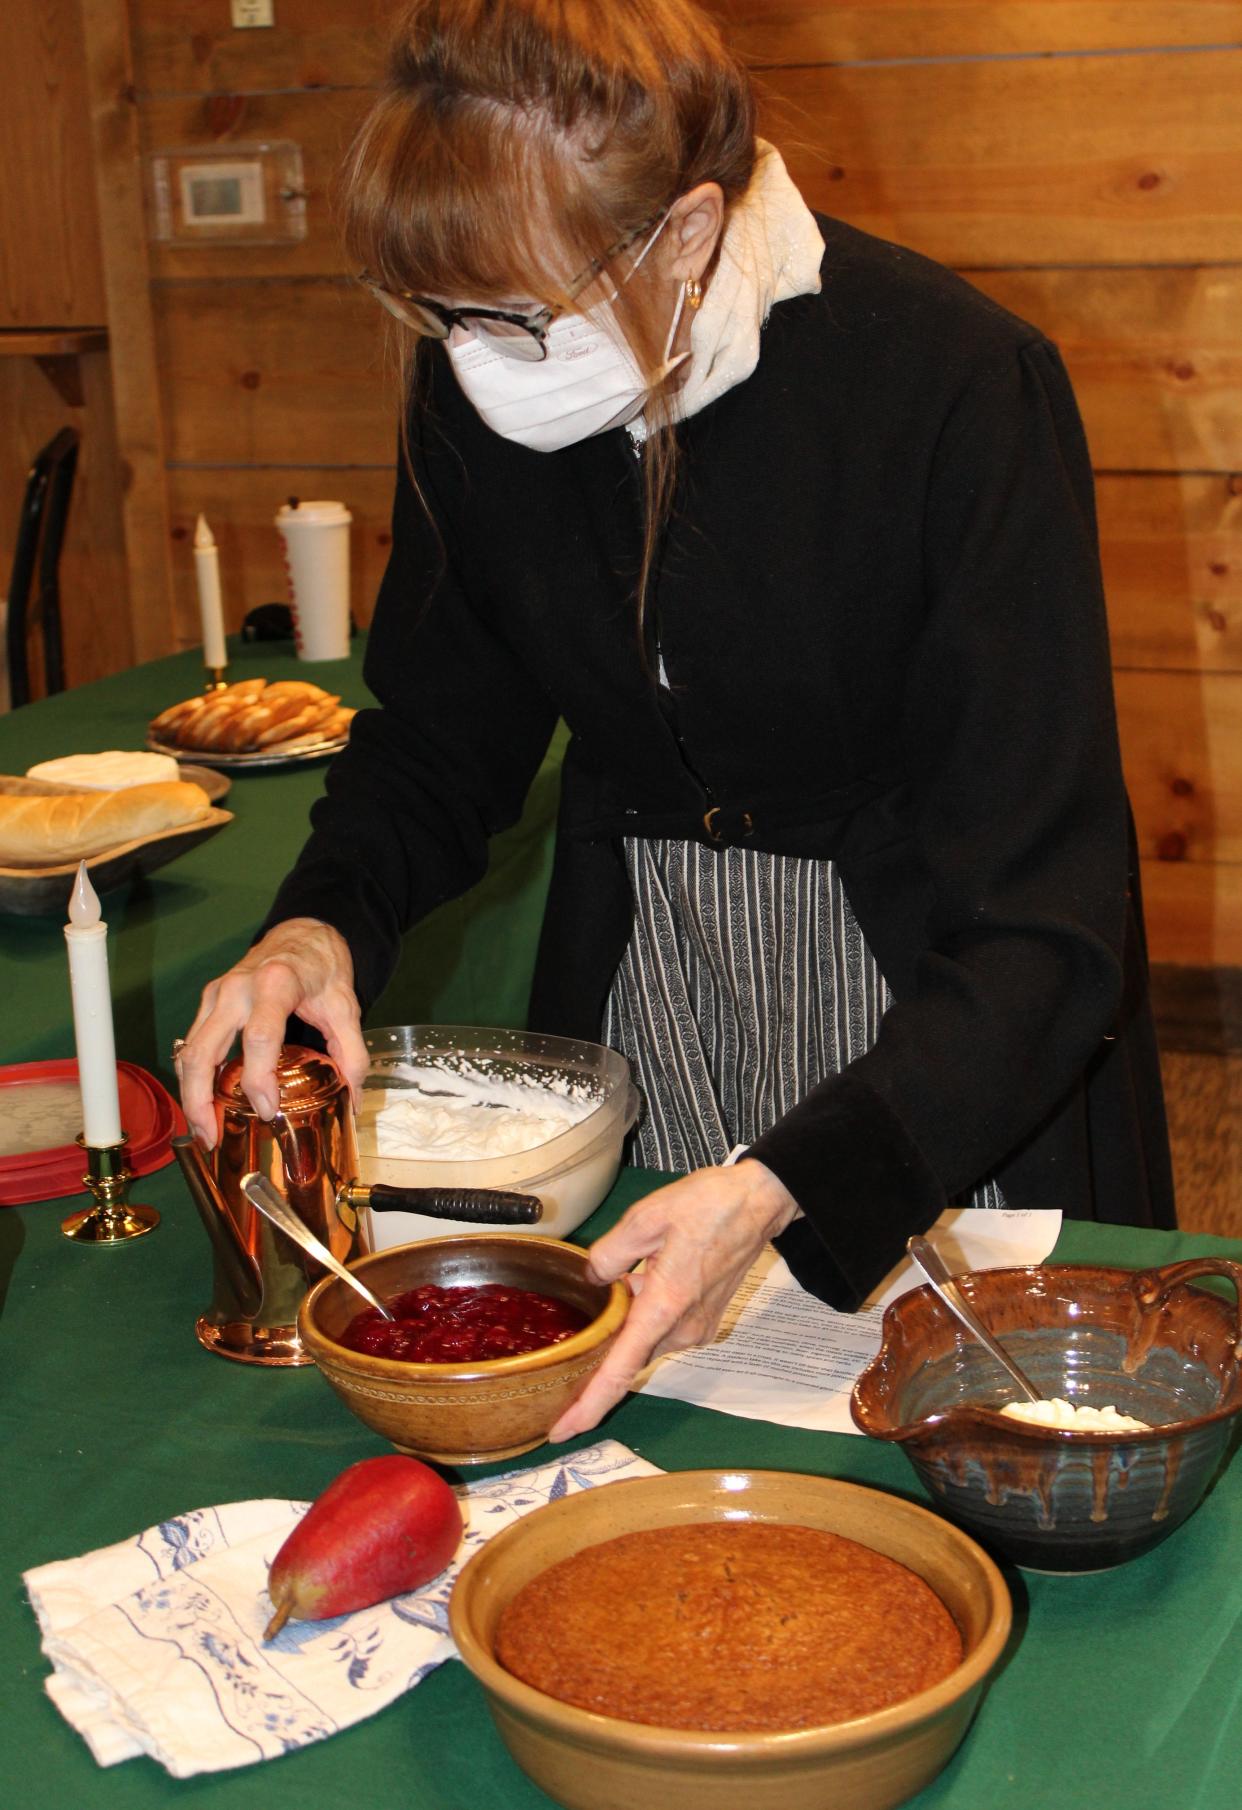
{"x":300,"y":966}
{"x":701,"y":1235}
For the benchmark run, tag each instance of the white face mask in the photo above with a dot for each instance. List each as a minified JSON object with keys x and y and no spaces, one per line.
{"x":588,"y":382}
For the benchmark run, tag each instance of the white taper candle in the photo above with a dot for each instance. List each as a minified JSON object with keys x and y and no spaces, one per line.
{"x":210,"y":608}
{"x":87,"y":937}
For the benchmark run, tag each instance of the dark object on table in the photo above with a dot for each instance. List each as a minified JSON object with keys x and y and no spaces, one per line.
{"x":268,"y":622}
{"x":274,"y":622}
{"x":40,"y":536}
{"x":1048,"y":1498}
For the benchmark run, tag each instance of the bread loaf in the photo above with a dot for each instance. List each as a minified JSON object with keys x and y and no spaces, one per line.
{"x":253,"y":717}
{"x":43,"y":832}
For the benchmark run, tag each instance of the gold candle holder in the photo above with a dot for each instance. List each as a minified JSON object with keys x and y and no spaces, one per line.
{"x":217,"y":678}
{"x":114,"y":1218}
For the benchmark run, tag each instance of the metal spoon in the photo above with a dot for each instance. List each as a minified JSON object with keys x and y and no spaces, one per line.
{"x":273,"y":1206}
{"x":932,"y":1265}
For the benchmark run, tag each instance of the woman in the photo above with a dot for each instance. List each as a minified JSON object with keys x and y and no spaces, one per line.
{"x":796,"y":531}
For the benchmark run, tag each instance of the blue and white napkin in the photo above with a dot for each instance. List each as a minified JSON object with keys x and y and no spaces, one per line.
{"x":157,"y":1645}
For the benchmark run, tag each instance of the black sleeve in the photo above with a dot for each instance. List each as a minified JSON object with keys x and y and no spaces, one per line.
{"x":1009,"y":746}
{"x":446,"y":759}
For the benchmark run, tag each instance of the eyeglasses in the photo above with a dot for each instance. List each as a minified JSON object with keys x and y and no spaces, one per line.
{"x":522,"y":336}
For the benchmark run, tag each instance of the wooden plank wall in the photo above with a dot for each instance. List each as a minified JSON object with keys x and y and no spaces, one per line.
{"x":1078,"y":161}
{"x":51,"y":274}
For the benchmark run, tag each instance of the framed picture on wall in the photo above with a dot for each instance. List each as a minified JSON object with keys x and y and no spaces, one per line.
{"x":235,"y":194}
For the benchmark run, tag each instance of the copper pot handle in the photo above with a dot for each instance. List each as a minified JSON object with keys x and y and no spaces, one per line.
{"x":1155,"y":1286}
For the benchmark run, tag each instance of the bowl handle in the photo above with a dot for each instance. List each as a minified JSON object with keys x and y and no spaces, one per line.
{"x":1155,"y":1286}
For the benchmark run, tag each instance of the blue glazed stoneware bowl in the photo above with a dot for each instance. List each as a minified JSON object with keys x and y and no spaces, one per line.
{"x":1049,"y":1499}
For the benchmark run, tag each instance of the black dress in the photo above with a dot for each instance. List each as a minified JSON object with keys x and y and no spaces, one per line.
{"x":880,"y":609}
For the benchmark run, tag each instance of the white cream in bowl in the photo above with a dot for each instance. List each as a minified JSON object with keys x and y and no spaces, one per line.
{"x":114,"y":771}
{"x":1072,"y":1417}
{"x":446,"y":1115}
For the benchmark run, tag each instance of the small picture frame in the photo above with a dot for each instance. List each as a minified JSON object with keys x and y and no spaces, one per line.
{"x":228,"y":194}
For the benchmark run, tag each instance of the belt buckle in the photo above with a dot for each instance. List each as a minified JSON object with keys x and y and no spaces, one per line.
{"x":709,"y":823}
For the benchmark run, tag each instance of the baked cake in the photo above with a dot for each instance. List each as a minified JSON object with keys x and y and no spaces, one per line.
{"x":739,"y":1627}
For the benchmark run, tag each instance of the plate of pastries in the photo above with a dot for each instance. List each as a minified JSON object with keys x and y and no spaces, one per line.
{"x":121,"y":813}
{"x":253,"y":724}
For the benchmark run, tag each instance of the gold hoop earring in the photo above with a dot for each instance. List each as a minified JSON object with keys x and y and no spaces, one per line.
{"x":694,"y":293}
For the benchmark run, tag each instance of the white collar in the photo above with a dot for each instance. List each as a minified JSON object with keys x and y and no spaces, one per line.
{"x":771,"y":251}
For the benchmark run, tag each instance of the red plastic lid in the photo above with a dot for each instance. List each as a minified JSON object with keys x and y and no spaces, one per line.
{"x":149,"y":1115}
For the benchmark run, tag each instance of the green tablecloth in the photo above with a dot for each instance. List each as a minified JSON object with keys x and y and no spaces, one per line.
{"x":1120,"y":1690}
{"x":470,"y":963}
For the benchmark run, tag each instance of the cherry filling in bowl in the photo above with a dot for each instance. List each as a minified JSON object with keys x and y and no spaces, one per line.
{"x":433,"y":1325}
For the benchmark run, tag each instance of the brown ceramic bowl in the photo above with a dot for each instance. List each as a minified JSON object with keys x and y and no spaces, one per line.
{"x":1051,"y":1499}
{"x":464,"y":1413}
{"x":594,"y":1762}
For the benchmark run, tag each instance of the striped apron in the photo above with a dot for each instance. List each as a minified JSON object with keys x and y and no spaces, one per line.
{"x":745,"y":982}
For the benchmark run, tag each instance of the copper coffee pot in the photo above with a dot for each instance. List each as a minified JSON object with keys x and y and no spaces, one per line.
{"x":308,"y":1154}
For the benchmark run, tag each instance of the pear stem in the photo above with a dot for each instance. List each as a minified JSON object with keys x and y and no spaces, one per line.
{"x":283,"y":1612}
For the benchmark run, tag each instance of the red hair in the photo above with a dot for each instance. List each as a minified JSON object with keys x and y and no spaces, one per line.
{"x":514,"y":141}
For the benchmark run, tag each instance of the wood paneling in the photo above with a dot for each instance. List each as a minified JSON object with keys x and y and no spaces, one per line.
{"x":1155,"y":355}
{"x":979,"y":164}
{"x":1172,"y":552}
{"x":140,"y":427}
{"x":241,"y":505}
{"x":1194,"y":912}
{"x":187,"y":46}
{"x":274,"y":373}
{"x":50,"y":267}
{"x":815,"y":31}
{"x":1180,"y":737}
{"x":1060,"y":160}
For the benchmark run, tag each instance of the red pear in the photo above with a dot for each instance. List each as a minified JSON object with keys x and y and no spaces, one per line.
{"x":381,"y":1528}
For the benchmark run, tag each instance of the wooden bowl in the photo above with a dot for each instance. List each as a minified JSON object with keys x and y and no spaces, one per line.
{"x":465,"y":1413}
{"x":40,"y":891}
{"x":594,"y":1762}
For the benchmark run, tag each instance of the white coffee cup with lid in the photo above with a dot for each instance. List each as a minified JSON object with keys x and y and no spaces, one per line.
{"x":316,"y":540}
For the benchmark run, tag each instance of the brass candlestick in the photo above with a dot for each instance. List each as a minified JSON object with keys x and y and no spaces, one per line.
{"x":217,"y":678}
{"x":114,"y":1218}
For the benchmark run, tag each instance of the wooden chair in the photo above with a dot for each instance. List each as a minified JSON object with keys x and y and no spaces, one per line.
{"x":36,"y":560}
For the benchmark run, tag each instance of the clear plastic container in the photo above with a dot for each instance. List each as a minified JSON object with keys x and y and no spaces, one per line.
{"x":571,"y":1172}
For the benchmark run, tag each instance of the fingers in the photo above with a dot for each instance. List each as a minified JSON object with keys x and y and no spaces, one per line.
{"x":340,"y":1020}
{"x":612,"y":1378}
{"x":275,"y":992}
{"x":655,"y":1322}
{"x":634,"y":1237}
{"x":209,"y":1042}
{"x":300,"y":966}
{"x":699,"y":1234}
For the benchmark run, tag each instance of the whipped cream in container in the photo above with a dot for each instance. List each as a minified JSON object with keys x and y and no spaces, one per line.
{"x":464,"y":1112}
{"x":461,"y":1106}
